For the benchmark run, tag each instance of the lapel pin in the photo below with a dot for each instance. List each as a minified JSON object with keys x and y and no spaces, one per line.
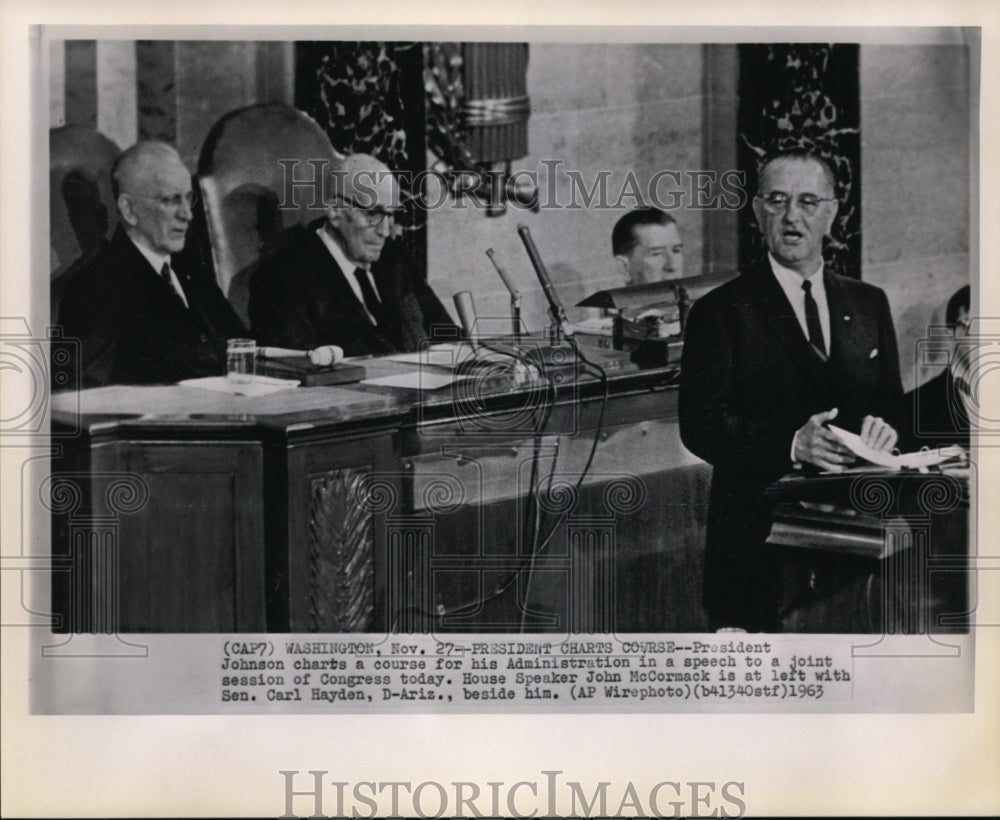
{"x":847,"y":318}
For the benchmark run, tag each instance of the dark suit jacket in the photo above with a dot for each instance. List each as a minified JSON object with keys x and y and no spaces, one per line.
{"x":300,"y":299}
{"x":934,"y":415}
{"x":133,"y":328}
{"x":749,"y":380}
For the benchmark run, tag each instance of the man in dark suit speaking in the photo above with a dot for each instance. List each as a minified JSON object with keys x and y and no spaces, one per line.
{"x":769,"y":359}
{"x":330,"y":284}
{"x":140,"y":317}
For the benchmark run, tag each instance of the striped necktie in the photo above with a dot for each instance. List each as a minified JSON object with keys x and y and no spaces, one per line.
{"x":812,"y":322}
{"x":371,"y":300}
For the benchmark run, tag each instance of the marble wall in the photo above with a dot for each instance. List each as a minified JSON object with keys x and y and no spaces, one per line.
{"x":163,"y":89}
{"x":915,"y":148}
{"x":611,"y":108}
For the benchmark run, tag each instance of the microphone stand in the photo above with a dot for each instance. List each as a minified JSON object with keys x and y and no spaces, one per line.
{"x":556,"y":355}
{"x":467,"y":317}
{"x":515,"y":295}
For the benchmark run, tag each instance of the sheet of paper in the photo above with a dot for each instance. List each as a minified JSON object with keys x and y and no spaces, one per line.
{"x":598,"y":325}
{"x":449,"y":355}
{"x":930,"y":458}
{"x":443,"y":355}
{"x":260,"y":386}
{"x":415,"y":380}
{"x":895,"y":461}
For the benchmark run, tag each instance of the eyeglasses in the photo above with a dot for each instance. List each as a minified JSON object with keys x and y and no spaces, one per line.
{"x":374,"y":216}
{"x":173,"y":203}
{"x":777,"y":202}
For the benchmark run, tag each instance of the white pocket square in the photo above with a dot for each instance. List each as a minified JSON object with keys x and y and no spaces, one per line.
{"x":874,"y":353}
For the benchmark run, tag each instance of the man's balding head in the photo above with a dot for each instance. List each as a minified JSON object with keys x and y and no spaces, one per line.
{"x":801,"y":155}
{"x":137,"y":164}
{"x":363,"y":197}
{"x":364,"y":181}
{"x":152,"y":189}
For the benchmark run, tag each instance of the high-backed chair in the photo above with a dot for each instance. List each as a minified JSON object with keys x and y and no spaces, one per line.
{"x":242,"y":184}
{"x":82,"y":212}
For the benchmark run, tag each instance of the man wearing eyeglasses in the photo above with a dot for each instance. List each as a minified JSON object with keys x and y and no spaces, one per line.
{"x":140,"y":314}
{"x":770,"y":359}
{"x":332,"y":284}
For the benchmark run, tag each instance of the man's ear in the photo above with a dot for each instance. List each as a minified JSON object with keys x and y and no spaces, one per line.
{"x":127,"y":211}
{"x":834,"y":208}
{"x":334,"y":214}
{"x":758,"y":212}
{"x":622,"y":261}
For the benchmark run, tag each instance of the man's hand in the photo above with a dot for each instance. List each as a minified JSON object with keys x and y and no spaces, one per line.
{"x":815,"y":444}
{"x":877,"y":434}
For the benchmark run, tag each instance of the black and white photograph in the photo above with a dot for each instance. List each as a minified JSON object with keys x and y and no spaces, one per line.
{"x":500,"y":378}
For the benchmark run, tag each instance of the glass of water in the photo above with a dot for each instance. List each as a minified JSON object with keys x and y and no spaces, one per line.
{"x":240,"y":355}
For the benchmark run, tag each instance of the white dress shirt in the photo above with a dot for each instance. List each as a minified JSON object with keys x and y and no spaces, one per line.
{"x":791,"y":283}
{"x":158,"y":261}
{"x":347,"y":267}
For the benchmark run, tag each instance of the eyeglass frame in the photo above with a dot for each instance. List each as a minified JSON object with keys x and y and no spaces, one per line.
{"x":375,"y":216}
{"x":809,"y":207}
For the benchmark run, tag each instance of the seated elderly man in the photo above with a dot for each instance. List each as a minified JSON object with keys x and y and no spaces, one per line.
{"x":141,"y":317}
{"x":331,"y":285}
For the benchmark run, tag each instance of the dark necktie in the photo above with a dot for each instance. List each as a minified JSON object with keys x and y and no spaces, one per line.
{"x":165,"y":273}
{"x":372,"y":302}
{"x":812,"y":322}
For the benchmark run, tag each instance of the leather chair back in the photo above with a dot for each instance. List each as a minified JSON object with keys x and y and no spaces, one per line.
{"x":242,"y":185}
{"x":82,"y":212}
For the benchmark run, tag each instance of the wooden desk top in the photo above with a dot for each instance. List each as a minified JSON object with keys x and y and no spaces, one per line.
{"x":157,"y":409}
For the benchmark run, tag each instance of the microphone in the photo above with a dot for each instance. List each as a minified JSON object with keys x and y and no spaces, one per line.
{"x":466,"y":313}
{"x":503,"y":274}
{"x":555,"y":306}
{"x":467,"y":317}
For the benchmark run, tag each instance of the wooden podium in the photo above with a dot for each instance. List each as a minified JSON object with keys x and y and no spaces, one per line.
{"x":874,"y":551}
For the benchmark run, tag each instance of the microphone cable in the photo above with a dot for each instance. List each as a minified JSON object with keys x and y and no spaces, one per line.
{"x":531,"y":529}
{"x":538,"y":548}
{"x":541,"y":422}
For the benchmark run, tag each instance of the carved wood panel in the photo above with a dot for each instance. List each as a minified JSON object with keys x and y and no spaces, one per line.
{"x":341,"y":553}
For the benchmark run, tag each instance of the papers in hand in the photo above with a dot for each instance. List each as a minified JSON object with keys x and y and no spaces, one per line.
{"x":920,"y":460}
{"x":260,"y":386}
